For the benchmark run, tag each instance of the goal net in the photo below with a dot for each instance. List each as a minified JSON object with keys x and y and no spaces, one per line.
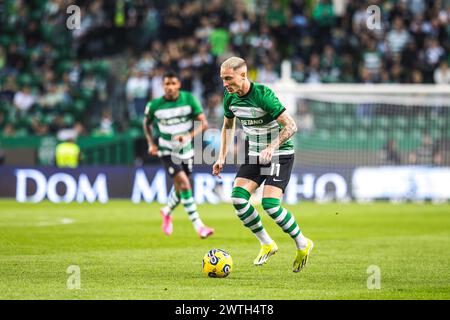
{"x":380,"y":141}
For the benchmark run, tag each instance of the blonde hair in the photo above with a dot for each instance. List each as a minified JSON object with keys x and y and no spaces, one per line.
{"x":234,"y":63}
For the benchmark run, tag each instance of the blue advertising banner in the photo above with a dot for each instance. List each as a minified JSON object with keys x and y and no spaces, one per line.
{"x":89,"y":184}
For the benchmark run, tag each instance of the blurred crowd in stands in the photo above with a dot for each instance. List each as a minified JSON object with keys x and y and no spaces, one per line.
{"x":98,"y":78}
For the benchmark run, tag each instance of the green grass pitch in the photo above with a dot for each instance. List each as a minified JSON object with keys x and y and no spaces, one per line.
{"x":123,"y":254}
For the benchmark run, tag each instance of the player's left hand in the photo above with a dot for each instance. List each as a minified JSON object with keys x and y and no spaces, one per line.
{"x":153,"y":150}
{"x":266,"y":155}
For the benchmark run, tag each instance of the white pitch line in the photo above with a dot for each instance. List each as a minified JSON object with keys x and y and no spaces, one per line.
{"x":50,"y":223}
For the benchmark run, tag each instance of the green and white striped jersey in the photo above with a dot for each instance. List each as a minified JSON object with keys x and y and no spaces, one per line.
{"x":174,"y":118}
{"x":258,"y":110}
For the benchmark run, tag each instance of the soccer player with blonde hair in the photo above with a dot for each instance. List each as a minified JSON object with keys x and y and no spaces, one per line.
{"x":269,"y":157}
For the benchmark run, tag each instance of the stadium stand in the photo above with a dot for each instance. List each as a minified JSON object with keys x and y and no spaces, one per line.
{"x":94,"y":79}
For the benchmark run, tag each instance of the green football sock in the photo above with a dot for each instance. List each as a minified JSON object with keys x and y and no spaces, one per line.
{"x":190,"y":207}
{"x":284,"y":219}
{"x":248,"y":214}
{"x":174,"y":199}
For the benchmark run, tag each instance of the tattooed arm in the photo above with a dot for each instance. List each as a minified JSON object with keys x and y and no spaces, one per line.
{"x":289,"y":129}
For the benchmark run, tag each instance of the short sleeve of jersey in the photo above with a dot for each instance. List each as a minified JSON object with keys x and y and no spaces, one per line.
{"x":271,"y":104}
{"x":196,"y":106}
{"x":148,"y":111}
{"x":226,"y":106}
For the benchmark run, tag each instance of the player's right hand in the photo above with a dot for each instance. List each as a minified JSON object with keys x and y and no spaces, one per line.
{"x":217,"y":168}
{"x":153,"y":150}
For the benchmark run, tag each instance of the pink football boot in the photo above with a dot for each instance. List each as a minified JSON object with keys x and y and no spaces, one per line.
{"x":167,"y":225}
{"x":204,"y":232}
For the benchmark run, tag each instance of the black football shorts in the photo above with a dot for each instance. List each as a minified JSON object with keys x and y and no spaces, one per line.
{"x":277,"y":173}
{"x":173,"y":167}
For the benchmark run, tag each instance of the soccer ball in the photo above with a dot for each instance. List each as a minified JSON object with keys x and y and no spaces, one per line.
{"x":217,"y":263}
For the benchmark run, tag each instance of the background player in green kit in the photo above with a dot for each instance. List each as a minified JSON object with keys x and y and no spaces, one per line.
{"x":269,"y":157}
{"x":173,"y":114}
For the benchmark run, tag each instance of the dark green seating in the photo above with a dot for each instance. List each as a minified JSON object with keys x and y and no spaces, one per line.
{"x":400,"y":122}
{"x":342,"y":134}
{"x":79,"y":107}
{"x":419,"y":122}
{"x":361,"y":134}
{"x":347,"y":122}
{"x":365,"y":123}
{"x":68,"y":120}
{"x":382,"y":122}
